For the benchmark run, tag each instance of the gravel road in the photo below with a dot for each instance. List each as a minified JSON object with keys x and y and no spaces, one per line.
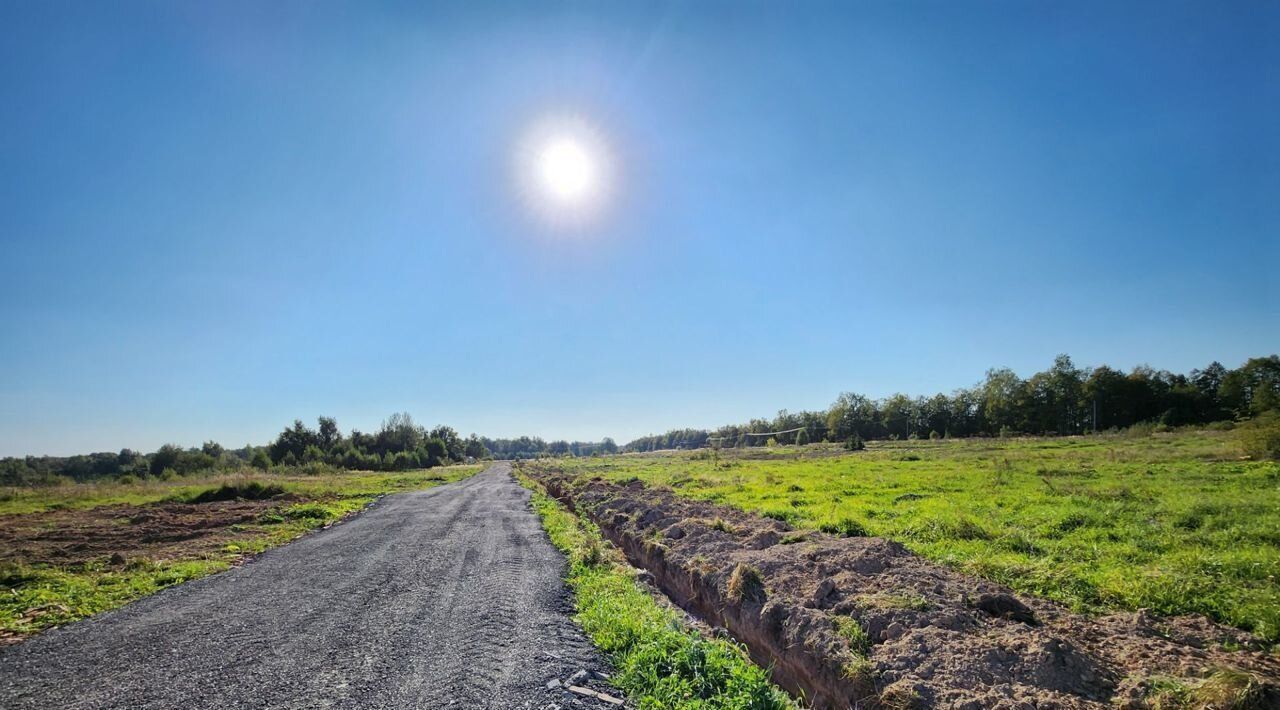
{"x":448,"y":597}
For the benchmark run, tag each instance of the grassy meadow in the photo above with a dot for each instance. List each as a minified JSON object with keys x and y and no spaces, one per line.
{"x":1176,"y":522}
{"x":36,"y":595}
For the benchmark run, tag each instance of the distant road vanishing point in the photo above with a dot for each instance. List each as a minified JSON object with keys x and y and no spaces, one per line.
{"x":447,"y":597}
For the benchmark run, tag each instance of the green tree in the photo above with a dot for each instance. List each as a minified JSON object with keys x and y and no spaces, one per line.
{"x":1253,"y":388}
{"x":1002,"y":397}
{"x":328,"y":436}
{"x":295,"y":441}
{"x":898,"y":412}
{"x":436,"y":452}
{"x":399,"y":433}
{"x":261,"y":460}
{"x":853,"y":414}
{"x":455,"y":446}
{"x":164,"y":457}
{"x":475,"y":448}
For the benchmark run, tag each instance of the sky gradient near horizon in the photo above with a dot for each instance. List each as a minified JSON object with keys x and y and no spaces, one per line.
{"x":218,"y":217}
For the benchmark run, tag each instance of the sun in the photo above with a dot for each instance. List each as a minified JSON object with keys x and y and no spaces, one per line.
{"x":567,"y":170}
{"x":565,"y":173}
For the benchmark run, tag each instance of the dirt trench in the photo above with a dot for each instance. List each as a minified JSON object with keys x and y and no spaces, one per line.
{"x":861,"y":622}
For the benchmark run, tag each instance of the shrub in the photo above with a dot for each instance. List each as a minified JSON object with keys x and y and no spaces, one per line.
{"x":855,"y":443}
{"x":168,"y":474}
{"x":127,"y":480}
{"x":308,"y":511}
{"x":1140,"y":430}
{"x":260,"y":460}
{"x":403,"y":461}
{"x":312,"y":454}
{"x":723,"y":526}
{"x":1260,"y":437}
{"x":316,"y":468}
{"x":252,"y":490}
{"x":781,"y":515}
{"x":934,"y":435}
{"x":845,"y":527}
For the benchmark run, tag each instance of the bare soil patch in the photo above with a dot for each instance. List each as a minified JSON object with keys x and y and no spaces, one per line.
{"x":116,"y":534}
{"x":863,"y":622}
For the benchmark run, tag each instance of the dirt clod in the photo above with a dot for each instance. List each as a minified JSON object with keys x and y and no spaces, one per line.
{"x":1005,"y":606}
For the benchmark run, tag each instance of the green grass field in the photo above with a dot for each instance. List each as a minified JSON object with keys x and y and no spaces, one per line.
{"x":1176,"y":523}
{"x":36,"y":595}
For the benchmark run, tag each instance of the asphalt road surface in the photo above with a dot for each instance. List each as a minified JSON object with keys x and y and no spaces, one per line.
{"x":448,"y":597}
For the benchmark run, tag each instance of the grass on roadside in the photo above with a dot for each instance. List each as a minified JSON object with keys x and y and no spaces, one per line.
{"x":37,"y":595}
{"x":660,"y":661}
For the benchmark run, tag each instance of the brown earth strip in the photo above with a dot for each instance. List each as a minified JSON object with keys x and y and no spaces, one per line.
{"x":863,"y":622}
{"x":155,"y":531}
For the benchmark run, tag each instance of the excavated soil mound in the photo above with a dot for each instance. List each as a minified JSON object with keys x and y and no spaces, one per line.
{"x":862,"y":622}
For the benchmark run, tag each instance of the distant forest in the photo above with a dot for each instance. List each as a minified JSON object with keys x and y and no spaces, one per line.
{"x":1064,"y":399}
{"x":399,"y":444}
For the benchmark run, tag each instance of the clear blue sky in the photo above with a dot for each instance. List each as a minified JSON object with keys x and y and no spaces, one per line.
{"x":217,"y":217}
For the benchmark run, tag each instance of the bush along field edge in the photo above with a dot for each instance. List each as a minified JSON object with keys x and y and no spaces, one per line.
{"x":660,"y":660}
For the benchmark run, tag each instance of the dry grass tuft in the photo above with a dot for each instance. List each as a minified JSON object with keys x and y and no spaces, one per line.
{"x":746,"y":584}
{"x":1233,"y":690}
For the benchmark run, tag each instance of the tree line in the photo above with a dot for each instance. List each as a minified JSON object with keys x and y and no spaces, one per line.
{"x":1064,"y":399}
{"x":399,"y":444}
{"x":526,"y":447}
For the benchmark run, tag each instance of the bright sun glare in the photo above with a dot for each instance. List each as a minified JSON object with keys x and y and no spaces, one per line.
{"x":565,"y":172}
